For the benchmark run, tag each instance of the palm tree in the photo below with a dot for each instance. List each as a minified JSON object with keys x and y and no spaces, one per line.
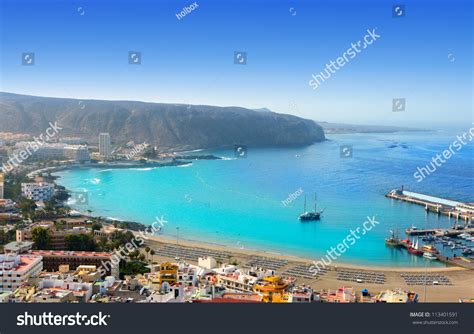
{"x":147,"y":250}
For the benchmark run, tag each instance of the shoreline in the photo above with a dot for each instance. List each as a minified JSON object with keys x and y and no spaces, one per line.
{"x":248,"y":252}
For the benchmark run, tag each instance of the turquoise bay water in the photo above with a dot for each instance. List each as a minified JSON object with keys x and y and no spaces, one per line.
{"x":238,"y":202}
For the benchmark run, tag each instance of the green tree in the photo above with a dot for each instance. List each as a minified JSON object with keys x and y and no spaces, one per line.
{"x":147,"y":250}
{"x":133,"y":268}
{"x":80,"y":242}
{"x":103,"y":244}
{"x":27,"y":207}
{"x":13,"y":185}
{"x":6,"y":237}
{"x":96,"y":227}
{"x":41,"y":238}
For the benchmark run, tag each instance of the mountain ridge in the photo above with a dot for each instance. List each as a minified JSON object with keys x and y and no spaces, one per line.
{"x":161,"y":124}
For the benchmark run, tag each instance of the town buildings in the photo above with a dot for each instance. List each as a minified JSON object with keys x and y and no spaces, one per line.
{"x":53,"y":259}
{"x":62,"y":290}
{"x":38,"y":192}
{"x":16,"y":269}
{"x":54,"y":151}
{"x":58,"y":236}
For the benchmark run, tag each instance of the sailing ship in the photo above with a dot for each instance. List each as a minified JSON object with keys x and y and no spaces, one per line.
{"x":414,"y":249}
{"x":310,"y":215}
{"x":393,"y":241}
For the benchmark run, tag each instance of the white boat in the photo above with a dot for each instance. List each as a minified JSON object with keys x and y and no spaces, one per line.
{"x":429,"y":256}
{"x":467,"y":251}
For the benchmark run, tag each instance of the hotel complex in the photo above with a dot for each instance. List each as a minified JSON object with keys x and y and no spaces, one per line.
{"x":56,"y":151}
{"x":38,"y":192}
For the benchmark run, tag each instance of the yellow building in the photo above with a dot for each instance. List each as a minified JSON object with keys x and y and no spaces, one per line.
{"x":272,"y":289}
{"x":168,"y":273}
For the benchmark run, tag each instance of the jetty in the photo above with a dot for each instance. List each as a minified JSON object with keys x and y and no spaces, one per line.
{"x":437,"y":205}
{"x":439,"y":231}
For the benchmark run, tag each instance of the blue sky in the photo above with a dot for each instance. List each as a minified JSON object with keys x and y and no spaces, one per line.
{"x":191,"y":60}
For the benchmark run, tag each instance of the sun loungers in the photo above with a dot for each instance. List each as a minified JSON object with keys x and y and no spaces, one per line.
{"x":303,"y":271}
{"x":190,"y":254}
{"x":428,"y":279}
{"x":266,"y":263}
{"x":361,"y":276}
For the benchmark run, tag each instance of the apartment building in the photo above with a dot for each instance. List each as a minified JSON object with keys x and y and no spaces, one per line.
{"x":16,"y":269}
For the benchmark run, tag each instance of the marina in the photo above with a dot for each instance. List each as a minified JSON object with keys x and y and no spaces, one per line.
{"x":452,"y":246}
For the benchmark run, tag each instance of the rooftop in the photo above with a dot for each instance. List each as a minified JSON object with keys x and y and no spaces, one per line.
{"x":15,"y":246}
{"x":70,"y":253}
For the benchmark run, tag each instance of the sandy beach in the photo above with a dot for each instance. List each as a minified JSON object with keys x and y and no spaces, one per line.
{"x":462,"y":279}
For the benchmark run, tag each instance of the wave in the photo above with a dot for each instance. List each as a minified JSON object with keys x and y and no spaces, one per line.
{"x":113,"y":218}
{"x":95,"y":181}
{"x":198,"y":150}
{"x":186,"y":165}
{"x":142,"y":169}
{"x":227,"y":158}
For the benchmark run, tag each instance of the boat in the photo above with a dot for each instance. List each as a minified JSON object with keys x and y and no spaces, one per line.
{"x":467,"y":251}
{"x":413,"y":249}
{"x":310,"y":215}
{"x":393,"y":241}
{"x":428,"y":238}
{"x":429,"y":249}
{"x":429,"y":256}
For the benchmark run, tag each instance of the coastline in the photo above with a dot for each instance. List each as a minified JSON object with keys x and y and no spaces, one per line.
{"x":248,"y":252}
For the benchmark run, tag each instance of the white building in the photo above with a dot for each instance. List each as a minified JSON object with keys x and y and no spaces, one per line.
{"x":38,"y":192}
{"x":81,"y":291}
{"x":78,"y":153}
{"x":16,"y":269}
{"x":168,"y":294}
{"x":54,"y":151}
{"x":104,"y":145}
{"x":235,"y":280}
{"x":207,"y":262}
{"x":187,"y":274}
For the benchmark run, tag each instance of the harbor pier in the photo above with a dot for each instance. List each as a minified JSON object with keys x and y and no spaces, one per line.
{"x":458,"y":210}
